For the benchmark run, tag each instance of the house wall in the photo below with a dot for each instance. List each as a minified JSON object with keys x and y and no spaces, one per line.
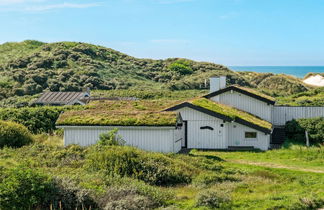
{"x":157,"y":139}
{"x":236,"y":137}
{"x":245,"y":103}
{"x":204,"y":138}
{"x":283,"y":114}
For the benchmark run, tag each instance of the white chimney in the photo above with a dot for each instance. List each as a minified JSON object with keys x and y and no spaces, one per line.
{"x":217,"y":83}
{"x":214,"y":84}
{"x":222,"y":83}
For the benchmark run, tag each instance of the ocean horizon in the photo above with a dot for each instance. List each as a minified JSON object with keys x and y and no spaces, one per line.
{"x":297,"y":71}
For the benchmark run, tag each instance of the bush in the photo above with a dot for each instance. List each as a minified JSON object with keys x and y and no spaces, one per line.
{"x":153,"y":168}
{"x":295,"y":130}
{"x":68,"y":195}
{"x":308,"y":203}
{"x":24,"y":188}
{"x":14,"y":135}
{"x":181,"y":66}
{"x":111,"y":138}
{"x":214,"y":199}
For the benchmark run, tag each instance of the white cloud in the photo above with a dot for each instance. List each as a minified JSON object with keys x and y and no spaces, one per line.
{"x":60,"y":6}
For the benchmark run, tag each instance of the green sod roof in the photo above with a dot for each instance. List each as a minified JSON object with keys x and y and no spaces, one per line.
{"x":255,"y":92}
{"x":230,"y":112}
{"x":110,"y":118}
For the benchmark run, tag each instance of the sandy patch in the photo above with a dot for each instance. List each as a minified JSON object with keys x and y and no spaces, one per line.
{"x":316,"y":80}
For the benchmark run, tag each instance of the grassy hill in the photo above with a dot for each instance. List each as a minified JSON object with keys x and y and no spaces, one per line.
{"x":29,"y":67}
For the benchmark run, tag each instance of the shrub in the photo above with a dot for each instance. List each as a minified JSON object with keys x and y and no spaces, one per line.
{"x":23,"y":188}
{"x":126,"y":198}
{"x":14,"y":135}
{"x":68,"y":195}
{"x":153,"y":168}
{"x":295,"y":130}
{"x":181,"y":66}
{"x":214,"y":199}
{"x":308,"y":203}
{"x":111,"y":138}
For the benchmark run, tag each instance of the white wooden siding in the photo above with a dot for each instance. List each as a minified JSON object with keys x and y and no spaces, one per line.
{"x":203,"y":138}
{"x":283,"y":114}
{"x":157,"y":139}
{"x":236,"y":137}
{"x":245,"y":103}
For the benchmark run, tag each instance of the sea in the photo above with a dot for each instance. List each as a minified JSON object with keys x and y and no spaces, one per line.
{"x":297,"y":71}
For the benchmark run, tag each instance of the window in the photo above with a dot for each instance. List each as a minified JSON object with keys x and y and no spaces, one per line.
{"x":250,"y":135}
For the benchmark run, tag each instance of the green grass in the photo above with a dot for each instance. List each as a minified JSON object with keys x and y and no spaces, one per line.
{"x":298,"y":157}
{"x":230,"y":112}
{"x":122,"y":113}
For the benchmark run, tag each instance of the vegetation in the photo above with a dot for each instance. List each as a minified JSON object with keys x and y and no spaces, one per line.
{"x":295,"y":130}
{"x":275,"y":84}
{"x":153,"y":168}
{"x":30,"y":67}
{"x":69,"y":66}
{"x":96,"y":117}
{"x":14,"y":135}
{"x":110,"y":138}
{"x":36,"y":119}
{"x":314,"y":97}
{"x":231,"y":112}
{"x":110,"y":177}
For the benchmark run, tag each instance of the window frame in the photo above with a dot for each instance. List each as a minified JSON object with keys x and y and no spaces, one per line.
{"x":254,"y":135}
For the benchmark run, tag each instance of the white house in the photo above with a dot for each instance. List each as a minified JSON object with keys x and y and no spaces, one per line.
{"x":227,"y":118}
{"x":210,"y":125}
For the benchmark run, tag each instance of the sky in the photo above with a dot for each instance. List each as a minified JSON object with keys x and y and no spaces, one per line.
{"x":228,"y":32}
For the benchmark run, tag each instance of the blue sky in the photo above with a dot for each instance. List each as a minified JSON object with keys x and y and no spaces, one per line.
{"x":229,"y":32}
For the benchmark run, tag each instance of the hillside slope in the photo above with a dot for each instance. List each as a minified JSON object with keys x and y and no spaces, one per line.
{"x":29,"y":67}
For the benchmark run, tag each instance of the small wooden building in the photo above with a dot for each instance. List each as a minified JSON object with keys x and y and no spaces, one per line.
{"x":152,"y":131}
{"x":63,"y":98}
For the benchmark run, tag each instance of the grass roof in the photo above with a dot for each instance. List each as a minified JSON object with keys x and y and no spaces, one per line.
{"x":109,"y":118}
{"x":121,"y":113}
{"x":231,"y":112}
{"x":255,"y":92}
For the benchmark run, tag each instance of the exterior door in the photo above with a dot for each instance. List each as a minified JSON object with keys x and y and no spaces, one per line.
{"x":184,"y":142}
{"x":206,"y":135}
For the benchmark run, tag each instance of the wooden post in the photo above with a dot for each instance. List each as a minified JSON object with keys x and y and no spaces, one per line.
{"x":307,"y":138}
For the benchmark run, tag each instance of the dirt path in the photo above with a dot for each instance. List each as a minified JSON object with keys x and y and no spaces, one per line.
{"x":274,"y":165}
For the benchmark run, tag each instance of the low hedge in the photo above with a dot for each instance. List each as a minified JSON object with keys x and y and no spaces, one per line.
{"x":152,"y":168}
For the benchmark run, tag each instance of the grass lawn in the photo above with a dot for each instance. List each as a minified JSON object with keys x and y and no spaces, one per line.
{"x":295,"y":157}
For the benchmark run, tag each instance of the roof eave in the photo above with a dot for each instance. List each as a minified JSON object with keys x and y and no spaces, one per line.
{"x":221,"y":116}
{"x":260,"y":98}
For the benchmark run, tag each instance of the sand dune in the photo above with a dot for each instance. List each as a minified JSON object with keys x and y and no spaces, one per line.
{"x":316,"y":80}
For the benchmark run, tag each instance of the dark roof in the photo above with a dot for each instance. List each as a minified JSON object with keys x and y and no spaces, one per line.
{"x":59,"y":98}
{"x":245,"y":91}
{"x":220,"y":116}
